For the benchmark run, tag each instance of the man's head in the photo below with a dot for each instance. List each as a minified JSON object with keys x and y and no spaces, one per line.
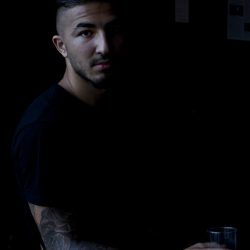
{"x":89,"y":38}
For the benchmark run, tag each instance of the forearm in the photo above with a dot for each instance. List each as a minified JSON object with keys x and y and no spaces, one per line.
{"x":58,"y":230}
{"x":57,"y":241}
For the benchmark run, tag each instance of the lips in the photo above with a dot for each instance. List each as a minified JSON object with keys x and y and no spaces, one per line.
{"x":102,"y":65}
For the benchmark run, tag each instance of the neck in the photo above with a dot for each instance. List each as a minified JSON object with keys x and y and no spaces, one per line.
{"x":81,"y":89}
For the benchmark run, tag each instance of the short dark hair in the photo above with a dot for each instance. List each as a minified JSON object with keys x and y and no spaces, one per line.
{"x":72,"y":3}
{"x":60,"y":5}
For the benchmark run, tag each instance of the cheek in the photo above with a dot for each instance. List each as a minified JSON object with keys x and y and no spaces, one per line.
{"x":82,"y":49}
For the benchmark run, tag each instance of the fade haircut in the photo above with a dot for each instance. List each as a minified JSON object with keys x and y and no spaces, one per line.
{"x":71,"y":3}
{"x":61,"y":5}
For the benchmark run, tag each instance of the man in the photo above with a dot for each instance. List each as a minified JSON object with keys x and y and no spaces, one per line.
{"x":67,"y":148}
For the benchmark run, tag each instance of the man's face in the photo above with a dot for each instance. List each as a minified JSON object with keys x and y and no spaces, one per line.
{"x":93,"y":41}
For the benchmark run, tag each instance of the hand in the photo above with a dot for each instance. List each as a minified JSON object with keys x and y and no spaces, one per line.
{"x":206,"y":246}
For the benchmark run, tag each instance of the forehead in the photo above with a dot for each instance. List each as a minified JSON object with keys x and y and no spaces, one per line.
{"x":96,"y":13}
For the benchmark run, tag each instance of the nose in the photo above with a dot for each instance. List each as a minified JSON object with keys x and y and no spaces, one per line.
{"x":102,"y":44}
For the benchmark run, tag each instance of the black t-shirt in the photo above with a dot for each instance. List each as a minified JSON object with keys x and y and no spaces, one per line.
{"x":70,"y":155}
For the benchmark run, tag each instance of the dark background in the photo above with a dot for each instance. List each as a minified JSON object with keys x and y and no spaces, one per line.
{"x":189,"y":75}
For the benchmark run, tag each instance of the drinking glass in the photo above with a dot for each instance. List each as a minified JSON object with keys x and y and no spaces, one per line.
{"x":224,"y":235}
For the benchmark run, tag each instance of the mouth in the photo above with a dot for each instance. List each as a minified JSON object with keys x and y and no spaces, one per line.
{"x":102,"y":65}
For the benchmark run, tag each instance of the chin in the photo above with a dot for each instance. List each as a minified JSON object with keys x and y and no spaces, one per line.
{"x":101,"y":82}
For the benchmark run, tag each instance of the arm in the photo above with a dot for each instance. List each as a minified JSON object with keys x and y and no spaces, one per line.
{"x":58,"y":231}
{"x":206,"y":246}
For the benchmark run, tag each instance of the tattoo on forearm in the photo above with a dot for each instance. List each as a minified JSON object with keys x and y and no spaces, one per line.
{"x":58,"y":230}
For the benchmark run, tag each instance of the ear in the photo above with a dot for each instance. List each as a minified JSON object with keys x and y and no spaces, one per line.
{"x":59,"y":44}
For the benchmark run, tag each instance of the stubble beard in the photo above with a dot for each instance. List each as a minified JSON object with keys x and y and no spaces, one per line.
{"x":101,"y":82}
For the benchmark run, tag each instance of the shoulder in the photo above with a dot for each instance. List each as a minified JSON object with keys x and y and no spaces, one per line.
{"x":44,"y":111}
{"x":43,"y":108}
{"x":39,"y":118}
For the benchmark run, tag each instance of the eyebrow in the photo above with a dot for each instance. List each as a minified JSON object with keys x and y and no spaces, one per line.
{"x":91,"y":25}
{"x":84,"y":25}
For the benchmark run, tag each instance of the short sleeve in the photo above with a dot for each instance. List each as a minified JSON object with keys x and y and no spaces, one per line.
{"x":37,"y":161}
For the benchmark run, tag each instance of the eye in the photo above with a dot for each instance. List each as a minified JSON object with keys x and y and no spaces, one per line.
{"x":86,"y":33}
